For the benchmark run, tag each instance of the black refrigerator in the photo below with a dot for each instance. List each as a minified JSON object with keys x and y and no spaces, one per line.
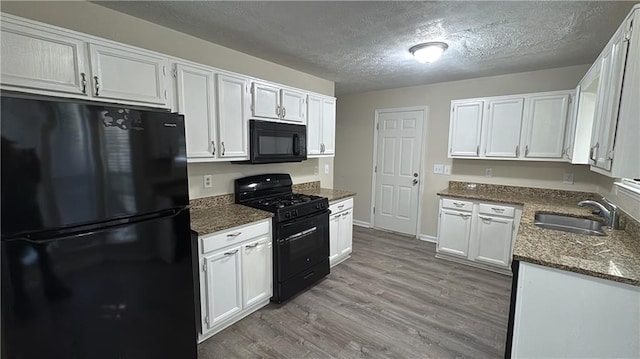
{"x":96,"y":252}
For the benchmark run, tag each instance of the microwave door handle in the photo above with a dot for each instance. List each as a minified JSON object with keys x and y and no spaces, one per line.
{"x":296,"y":144}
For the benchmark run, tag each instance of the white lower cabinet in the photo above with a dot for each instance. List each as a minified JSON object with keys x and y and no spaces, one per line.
{"x":236,"y":275}
{"x":340,"y":231}
{"x":477,"y":233}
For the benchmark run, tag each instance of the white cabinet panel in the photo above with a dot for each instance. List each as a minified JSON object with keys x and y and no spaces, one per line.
{"x":314,"y":125}
{"x":125,"y":74}
{"x":545,"y":124}
{"x":455,"y":232}
{"x":334,"y":237}
{"x":39,"y":60}
{"x":265,"y":101}
{"x":328,"y":126}
{"x":465,"y":128}
{"x":494,"y":237}
{"x":232,"y":118}
{"x":194,"y":88}
{"x":223,"y":285}
{"x":340,"y":231}
{"x":346,"y":233}
{"x":503,"y":124}
{"x":293,"y":106}
{"x":256,"y":271}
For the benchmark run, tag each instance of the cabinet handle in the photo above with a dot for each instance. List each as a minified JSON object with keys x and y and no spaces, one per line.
{"x":278,"y":110}
{"x":464,"y":216}
{"x":284,"y":112}
{"x":84,"y":82}
{"x":252,"y":245}
{"x":458,"y":204}
{"x":477,"y":150}
{"x":485,"y":219}
{"x":500,"y":210}
{"x":593,"y":152}
{"x":213,"y":146}
{"x":97,"y":85}
{"x":341,"y":206}
{"x":526,"y":150}
{"x":234,"y":234}
{"x":223,"y":149}
{"x":517,"y":150}
{"x":345,"y":214}
{"x":231,"y":253}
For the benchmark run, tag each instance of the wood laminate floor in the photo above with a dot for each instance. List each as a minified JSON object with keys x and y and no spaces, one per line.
{"x":391,"y":299}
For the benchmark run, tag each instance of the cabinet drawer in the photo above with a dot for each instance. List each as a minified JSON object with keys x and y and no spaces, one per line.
{"x":341,"y":206}
{"x":232,"y":236}
{"x":493,"y":209}
{"x":457,"y":204}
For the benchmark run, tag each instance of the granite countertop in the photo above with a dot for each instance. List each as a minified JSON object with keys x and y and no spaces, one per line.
{"x":331,"y":194}
{"x":206,"y":220}
{"x":614,"y":257}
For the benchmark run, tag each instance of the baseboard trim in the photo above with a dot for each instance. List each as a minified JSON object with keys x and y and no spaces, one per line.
{"x":361,"y":223}
{"x":428,"y":238}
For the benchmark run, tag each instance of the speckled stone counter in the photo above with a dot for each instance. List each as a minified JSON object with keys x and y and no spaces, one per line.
{"x":332,"y":194}
{"x":615,"y":256}
{"x":213,"y":214}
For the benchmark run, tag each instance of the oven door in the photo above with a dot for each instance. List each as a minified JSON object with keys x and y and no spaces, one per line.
{"x":273,"y":142}
{"x":300,"y":244}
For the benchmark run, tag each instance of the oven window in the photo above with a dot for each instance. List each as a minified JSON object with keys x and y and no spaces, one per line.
{"x":275,"y":145}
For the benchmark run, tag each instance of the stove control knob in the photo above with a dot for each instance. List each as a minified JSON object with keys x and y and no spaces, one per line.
{"x":318,"y":206}
{"x":287,"y":215}
{"x":295,"y":212}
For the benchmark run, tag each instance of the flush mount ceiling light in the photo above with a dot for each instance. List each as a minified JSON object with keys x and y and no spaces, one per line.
{"x":429,"y":51}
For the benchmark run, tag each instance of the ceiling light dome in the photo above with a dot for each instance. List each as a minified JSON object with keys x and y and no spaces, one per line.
{"x":429,"y":51}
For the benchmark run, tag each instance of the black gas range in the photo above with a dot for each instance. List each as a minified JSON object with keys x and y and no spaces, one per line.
{"x":300,"y":231}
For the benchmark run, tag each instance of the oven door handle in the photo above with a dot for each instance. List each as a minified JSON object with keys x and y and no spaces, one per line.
{"x":296,"y":144}
{"x":299,"y":235}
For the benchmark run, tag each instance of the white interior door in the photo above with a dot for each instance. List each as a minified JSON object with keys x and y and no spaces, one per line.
{"x":399,"y":148}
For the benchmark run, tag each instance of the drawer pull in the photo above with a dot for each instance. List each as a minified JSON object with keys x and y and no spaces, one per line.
{"x":498,"y":209}
{"x":231,"y":253}
{"x":486,"y":219}
{"x":341,"y":206}
{"x":465,"y":216}
{"x":252,"y":245}
{"x":459,"y":205}
{"x":234,"y":234}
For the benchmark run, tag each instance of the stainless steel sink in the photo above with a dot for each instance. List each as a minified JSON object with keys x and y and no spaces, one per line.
{"x":569,"y":224}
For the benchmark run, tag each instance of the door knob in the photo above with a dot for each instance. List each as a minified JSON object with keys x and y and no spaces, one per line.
{"x":415,"y":174}
{"x":415,"y":181}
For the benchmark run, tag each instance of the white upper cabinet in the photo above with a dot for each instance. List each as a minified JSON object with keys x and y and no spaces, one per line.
{"x":125,"y":74}
{"x":293,"y":106}
{"x":265,"y":101}
{"x":465,"y":128}
{"x":544,"y":126}
{"x":321,"y":126}
{"x":194,"y":89}
{"x":231,"y":105}
{"x":502,"y":132}
{"x":34,"y":59}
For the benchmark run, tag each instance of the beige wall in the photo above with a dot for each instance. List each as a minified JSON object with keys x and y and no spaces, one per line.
{"x":99,"y":21}
{"x":354,"y":139}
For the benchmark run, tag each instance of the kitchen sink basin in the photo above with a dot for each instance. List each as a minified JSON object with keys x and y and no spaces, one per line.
{"x":569,"y":224}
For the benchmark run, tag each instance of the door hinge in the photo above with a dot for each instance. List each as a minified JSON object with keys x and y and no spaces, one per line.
{"x":377,"y":125}
{"x":570,"y":99}
{"x":374,"y":210}
{"x":165,"y":94}
{"x":164,"y":70}
{"x":453,"y":109}
{"x":610,"y":154}
{"x":627,"y":35}
{"x":251,"y":107}
{"x":204,"y":266}
{"x":174,"y":73}
{"x":206,"y":320}
{"x":375,"y":169}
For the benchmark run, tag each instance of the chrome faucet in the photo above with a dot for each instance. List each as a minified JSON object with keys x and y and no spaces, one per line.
{"x":610,"y":215}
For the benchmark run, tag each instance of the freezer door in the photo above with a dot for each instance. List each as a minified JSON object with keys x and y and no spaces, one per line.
{"x":119,"y":292}
{"x":67,"y":164}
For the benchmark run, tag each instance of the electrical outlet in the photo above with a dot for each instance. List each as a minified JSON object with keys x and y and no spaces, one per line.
{"x":326,"y":169}
{"x":568,"y":178}
{"x":447,"y":170}
{"x":316,"y":170}
{"x":488,"y":172}
{"x":439,"y":169}
{"x":208,"y":181}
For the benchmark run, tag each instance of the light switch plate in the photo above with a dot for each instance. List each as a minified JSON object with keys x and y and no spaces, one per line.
{"x":447,"y":170}
{"x":326,"y":169}
{"x":208,"y":181}
{"x":488,"y":172}
{"x":568,"y":178}
{"x":439,"y":169}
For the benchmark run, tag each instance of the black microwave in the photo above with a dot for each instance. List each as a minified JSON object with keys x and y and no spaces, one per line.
{"x":274,"y":142}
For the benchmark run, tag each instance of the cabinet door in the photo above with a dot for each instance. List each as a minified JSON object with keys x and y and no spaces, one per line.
{"x":265,"y":101}
{"x":334,"y":235}
{"x":293,"y":106}
{"x":256,"y":271}
{"x":545,"y":124}
{"x":128,"y":75}
{"x":223,"y":281}
{"x":465,"y":128}
{"x":231,"y":104}
{"x":328,"y":126}
{"x":572,"y":124}
{"x":608,"y":104}
{"x":34,"y":59}
{"x":455,"y":232}
{"x":503,"y":124}
{"x":345,"y":237}
{"x":314,"y":125}
{"x":194,"y":88}
{"x":493,"y":239}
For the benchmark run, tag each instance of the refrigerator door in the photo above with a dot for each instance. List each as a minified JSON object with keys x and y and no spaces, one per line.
{"x":120,"y":292}
{"x":67,"y":164}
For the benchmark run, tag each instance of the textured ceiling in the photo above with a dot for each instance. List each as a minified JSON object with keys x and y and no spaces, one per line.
{"x":363,"y":46}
